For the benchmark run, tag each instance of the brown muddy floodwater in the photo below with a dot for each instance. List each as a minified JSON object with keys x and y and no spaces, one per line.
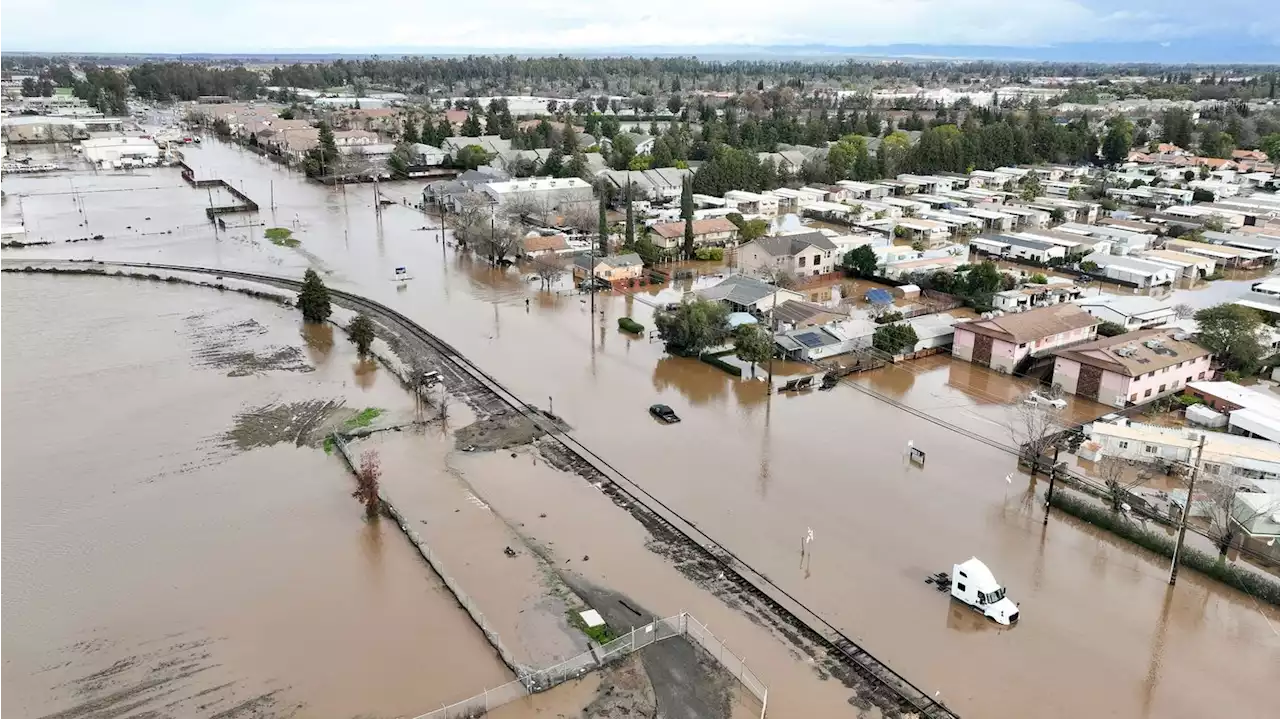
{"x":171,"y":550}
{"x":1100,"y":634}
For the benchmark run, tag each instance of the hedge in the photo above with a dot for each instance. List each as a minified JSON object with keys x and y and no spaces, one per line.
{"x":1246,"y":581}
{"x":626,"y":324}
{"x":715,"y":361}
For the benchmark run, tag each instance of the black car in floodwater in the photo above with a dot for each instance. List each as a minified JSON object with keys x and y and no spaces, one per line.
{"x":664,"y":413}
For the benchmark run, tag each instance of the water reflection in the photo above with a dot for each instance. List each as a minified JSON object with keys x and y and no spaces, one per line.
{"x":318,"y":341}
{"x":365,"y":371}
{"x":1156,"y":663}
{"x":698,"y":382}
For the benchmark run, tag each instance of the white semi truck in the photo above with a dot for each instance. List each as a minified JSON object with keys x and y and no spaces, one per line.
{"x":975,"y":585}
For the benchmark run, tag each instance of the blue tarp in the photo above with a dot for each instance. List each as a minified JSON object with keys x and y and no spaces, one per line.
{"x":879,"y":297}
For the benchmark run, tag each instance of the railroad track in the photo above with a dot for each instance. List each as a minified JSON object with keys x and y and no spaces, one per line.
{"x":746,"y":578}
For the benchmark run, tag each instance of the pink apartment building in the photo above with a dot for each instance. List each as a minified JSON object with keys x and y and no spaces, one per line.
{"x":1002,"y":342}
{"x":1131,"y":368}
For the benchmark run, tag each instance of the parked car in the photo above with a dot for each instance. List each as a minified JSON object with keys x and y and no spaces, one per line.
{"x":664,"y":413}
{"x":1037,"y":398}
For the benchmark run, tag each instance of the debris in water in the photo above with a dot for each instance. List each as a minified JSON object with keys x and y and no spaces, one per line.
{"x":509,"y":552}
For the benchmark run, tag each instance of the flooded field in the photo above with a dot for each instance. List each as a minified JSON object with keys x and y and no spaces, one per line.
{"x":1100,"y":634}
{"x":175,"y":541}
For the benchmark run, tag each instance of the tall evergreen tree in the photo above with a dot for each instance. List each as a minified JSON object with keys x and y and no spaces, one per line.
{"x":471,"y":125}
{"x":603,"y":229}
{"x":686,"y":211}
{"x":411,"y":130}
{"x":631,"y":217}
{"x":313,"y":299}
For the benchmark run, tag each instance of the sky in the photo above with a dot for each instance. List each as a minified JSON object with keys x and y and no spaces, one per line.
{"x":330,"y":26}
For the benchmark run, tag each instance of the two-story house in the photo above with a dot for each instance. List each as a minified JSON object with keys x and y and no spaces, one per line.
{"x":711,"y":231}
{"x":806,"y":254}
{"x":1131,"y":368}
{"x":1001,"y":343}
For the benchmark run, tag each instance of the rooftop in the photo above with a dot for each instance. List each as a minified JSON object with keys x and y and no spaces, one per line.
{"x":1136,"y":353}
{"x":784,"y":245}
{"x":744,"y":290}
{"x":1225,"y":448}
{"x":537,"y":183}
{"x":1033,"y":324}
{"x":1139,"y":306}
{"x":673,"y":230}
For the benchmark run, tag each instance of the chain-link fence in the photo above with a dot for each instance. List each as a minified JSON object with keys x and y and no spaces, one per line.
{"x":597,"y":657}
{"x":480,"y":704}
{"x":737,"y":666}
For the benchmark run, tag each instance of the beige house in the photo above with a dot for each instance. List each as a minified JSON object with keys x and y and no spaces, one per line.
{"x":611,"y":269}
{"x":714,"y":231}
{"x":805,"y":254}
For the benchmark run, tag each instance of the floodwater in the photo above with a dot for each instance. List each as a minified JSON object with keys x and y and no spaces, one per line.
{"x":156,"y":565}
{"x":1100,"y":633}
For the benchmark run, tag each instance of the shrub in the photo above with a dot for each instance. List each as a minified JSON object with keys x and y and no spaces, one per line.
{"x":715,"y":361}
{"x":626,"y":324}
{"x":1110,"y":329}
{"x":715,"y":254}
{"x":1231,"y":376}
{"x":1187,"y":400}
{"x":1039,"y":279}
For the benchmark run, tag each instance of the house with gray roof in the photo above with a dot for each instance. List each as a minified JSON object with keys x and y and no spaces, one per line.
{"x":748,"y":294}
{"x":805,"y":254}
{"x":612,"y":268}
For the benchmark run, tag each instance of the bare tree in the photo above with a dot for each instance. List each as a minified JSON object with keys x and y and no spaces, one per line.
{"x":527,"y":208}
{"x":549,"y":269}
{"x":472,"y":220}
{"x":1034,"y":425}
{"x":781,"y":277}
{"x":1228,"y":516}
{"x":367,"y":482}
{"x":500,"y":240}
{"x":581,"y":217}
{"x":1183,"y":310}
{"x":1112,"y":470}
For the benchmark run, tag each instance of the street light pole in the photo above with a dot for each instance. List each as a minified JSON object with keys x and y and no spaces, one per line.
{"x":1186,"y":513}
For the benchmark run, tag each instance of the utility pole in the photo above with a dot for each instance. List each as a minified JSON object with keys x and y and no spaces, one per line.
{"x":273,"y":194}
{"x":1053,"y":475}
{"x":1186,"y":513}
{"x":773,"y":328}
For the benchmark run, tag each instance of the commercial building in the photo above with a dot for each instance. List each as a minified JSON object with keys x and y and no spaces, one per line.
{"x":1131,"y":368}
{"x":121,"y":152}
{"x":543,"y":192}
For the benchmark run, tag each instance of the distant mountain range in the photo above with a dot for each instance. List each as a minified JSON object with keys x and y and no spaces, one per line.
{"x":1222,"y":51}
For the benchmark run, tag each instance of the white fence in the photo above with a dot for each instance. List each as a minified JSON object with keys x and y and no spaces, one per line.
{"x":599,"y":656}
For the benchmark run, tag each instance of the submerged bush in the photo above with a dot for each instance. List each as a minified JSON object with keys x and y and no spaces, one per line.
{"x":1232,"y":575}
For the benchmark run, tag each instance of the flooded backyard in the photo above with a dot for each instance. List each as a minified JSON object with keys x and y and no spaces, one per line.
{"x":175,"y":541}
{"x":1100,"y":635}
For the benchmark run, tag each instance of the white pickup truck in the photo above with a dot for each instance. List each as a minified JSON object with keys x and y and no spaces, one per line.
{"x":975,"y":585}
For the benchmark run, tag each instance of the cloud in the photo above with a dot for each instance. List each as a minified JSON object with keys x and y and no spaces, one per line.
{"x":249,"y":26}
